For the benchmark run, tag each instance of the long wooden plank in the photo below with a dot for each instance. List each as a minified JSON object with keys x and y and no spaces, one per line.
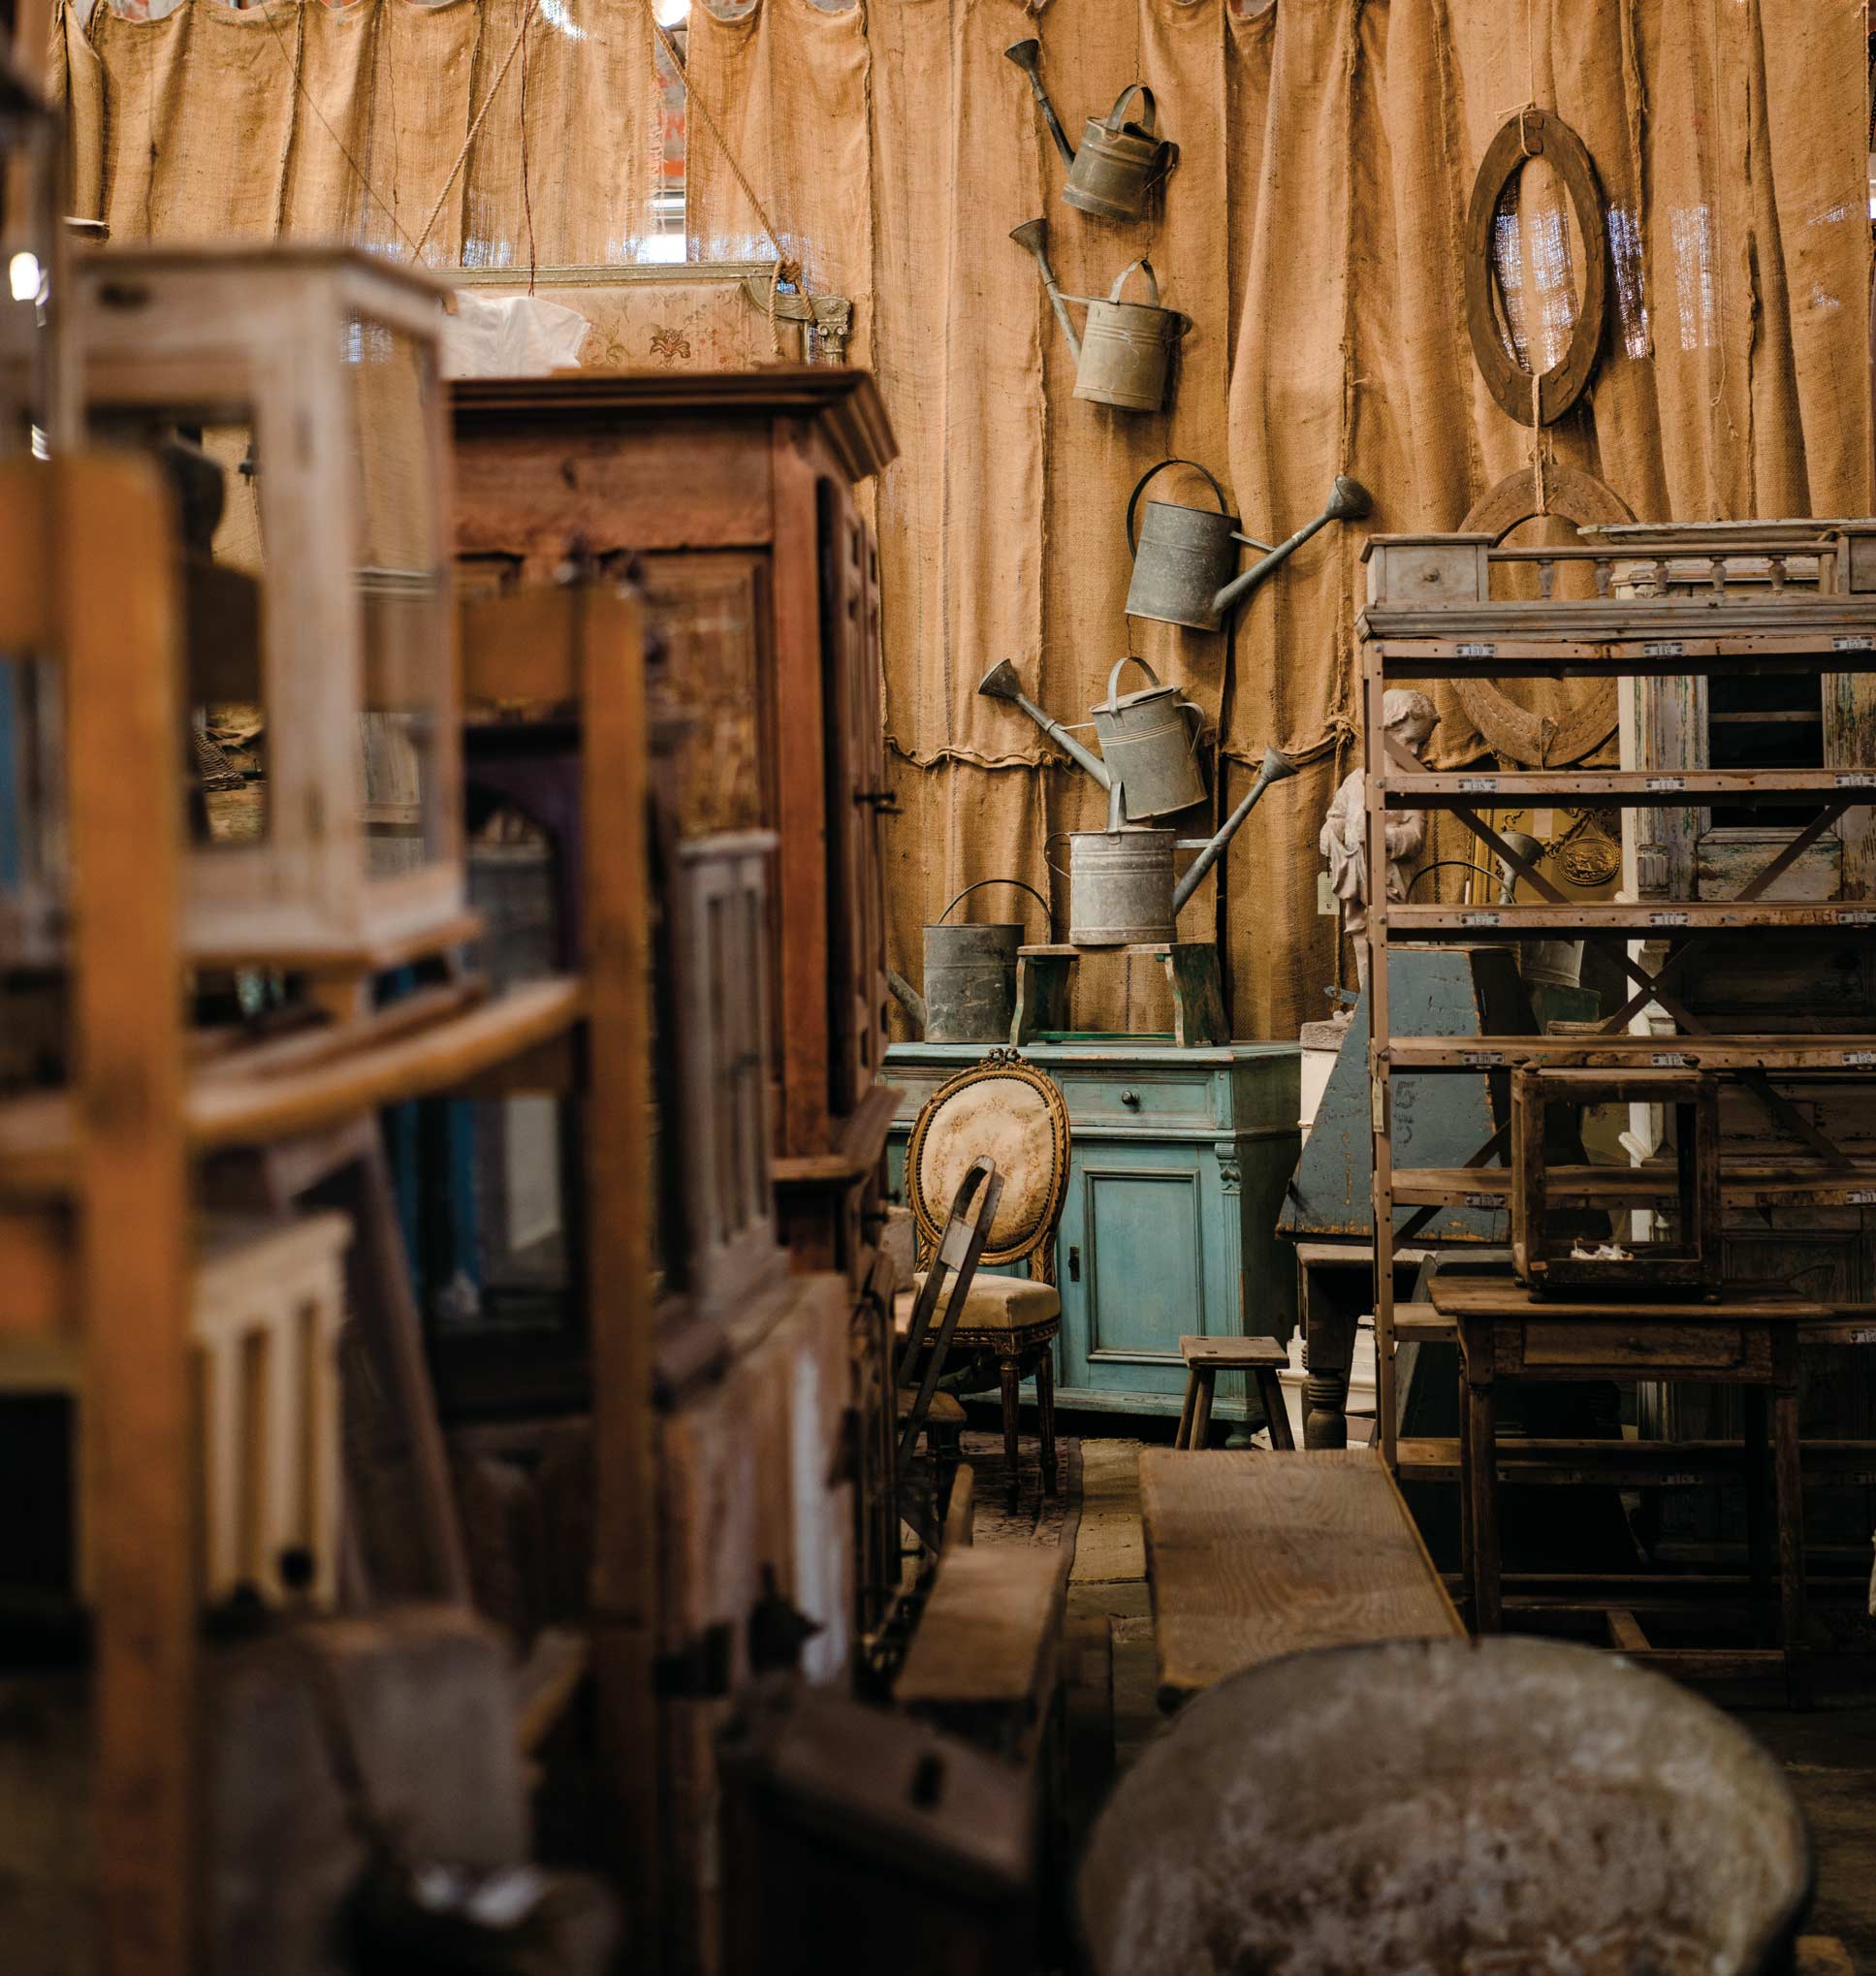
{"x":1254,"y":1555}
{"x":1500,"y":1295}
{"x":124,"y":737}
{"x":1600,"y":916}
{"x":1745,"y":1183}
{"x":989,"y":1627}
{"x":1780,"y":1054}
{"x":1656,"y":789}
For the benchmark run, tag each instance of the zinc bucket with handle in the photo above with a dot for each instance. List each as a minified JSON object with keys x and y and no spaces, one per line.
{"x":969,"y":976}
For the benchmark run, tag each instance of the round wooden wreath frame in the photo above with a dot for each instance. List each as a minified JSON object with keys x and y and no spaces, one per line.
{"x":1531,"y":134}
{"x":1509,"y":728}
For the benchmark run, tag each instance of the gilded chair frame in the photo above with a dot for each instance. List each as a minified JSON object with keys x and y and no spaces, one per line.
{"x":1038,"y":1247}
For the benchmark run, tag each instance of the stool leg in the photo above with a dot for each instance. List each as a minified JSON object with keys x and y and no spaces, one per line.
{"x":1760,"y":1492}
{"x":946,"y":1456}
{"x":1481,"y":1487}
{"x":1207,"y":1378}
{"x":1045,"y":1415}
{"x":1790,"y":1489}
{"x":1183,"y":1437}
{"x":1012,"y":1381}
{"x":1271,"y":1390}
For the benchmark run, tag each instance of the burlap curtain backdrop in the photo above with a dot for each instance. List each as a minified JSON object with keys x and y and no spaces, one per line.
{"x":297,"y":119}
{"x":1312,"y":232}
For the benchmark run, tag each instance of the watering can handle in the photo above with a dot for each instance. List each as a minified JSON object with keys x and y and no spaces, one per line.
{"x":1140,"y":487}
{"x":1153,"y":281}
{"x":1053,"y":836}
{"x":982,"y":882}
{"x":1114,"y":677}
{"x":1117,"y":122}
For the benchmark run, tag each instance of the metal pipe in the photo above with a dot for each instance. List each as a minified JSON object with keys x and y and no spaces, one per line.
{"x":1277,"y":767}
{"x":1349,"y":503}
{"x":1000,"y":683}
{"x":1033,"y":234}
{"x":1028,"y":56}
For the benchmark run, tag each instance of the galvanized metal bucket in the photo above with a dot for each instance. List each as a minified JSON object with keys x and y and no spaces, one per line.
{"x":1119,"y":886}
{"x":971,"y":974}
{"x":1149,"y":741}
{"x":1126,"y":346}
{"x":1182,"y":557}
{"x":1120,"y":162}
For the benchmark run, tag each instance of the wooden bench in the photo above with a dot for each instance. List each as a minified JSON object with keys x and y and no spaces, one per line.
{"x":1252,"y":1555}
{"x":983,"y":1662}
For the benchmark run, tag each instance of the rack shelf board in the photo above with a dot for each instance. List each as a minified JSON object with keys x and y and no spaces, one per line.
{"x":1646,"y":787}
{"x":1622,"y":1050}
{"x":1791,"y":1182}
{"x":1473,"y":640}
{"x":1632,"y":1464}
{"x":232,"y":1102}
{"x":1583,"y":916}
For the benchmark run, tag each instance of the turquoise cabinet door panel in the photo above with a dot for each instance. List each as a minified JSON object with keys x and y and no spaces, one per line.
{"x":1139,"y":1225}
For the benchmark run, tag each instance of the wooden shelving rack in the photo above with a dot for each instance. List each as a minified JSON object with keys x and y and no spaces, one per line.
{"x":1432,"y":614}
{"x":97,"y":1180}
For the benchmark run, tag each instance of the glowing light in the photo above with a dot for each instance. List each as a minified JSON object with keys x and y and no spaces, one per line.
{"x":23,"y":276}
{"x":672,"y":13}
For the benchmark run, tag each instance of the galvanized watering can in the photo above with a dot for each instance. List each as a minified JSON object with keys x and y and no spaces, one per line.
{"x":969,"y":976}
{"x":1149,"y":740}
{"x":1125,"y":354}
{"x":1184,"y":556}
{"x":1120,"y":162}
{"x":1121,"y":888}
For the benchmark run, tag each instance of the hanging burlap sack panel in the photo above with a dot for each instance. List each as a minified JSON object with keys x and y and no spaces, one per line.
{"x":579,"y":193}
{"x":786,"y":82}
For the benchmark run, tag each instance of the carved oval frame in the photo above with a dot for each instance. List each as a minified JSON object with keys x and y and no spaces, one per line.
{"x":1531,"y":134}
{"x":1509,"y":728}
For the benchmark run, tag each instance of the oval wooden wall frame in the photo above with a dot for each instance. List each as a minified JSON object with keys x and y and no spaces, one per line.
{"x":1509,"y":729}
{"x":1531,"y":134}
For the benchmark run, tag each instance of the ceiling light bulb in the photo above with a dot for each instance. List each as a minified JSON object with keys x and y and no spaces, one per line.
{"x":23,"y":276}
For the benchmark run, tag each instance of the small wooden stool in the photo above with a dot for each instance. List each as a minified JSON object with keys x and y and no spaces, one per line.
{"x":1205,"y":1359}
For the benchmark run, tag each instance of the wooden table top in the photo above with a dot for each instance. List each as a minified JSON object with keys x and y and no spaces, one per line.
{"x":1251,"y":1557}
{"x":1503,"y":1296}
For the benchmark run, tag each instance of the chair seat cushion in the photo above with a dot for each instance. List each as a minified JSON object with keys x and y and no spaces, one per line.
{"x":995,"y":1303}
{"x":946,"y":1411}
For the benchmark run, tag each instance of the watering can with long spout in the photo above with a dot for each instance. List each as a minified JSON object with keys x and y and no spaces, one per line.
{"x":1184,"y":556}
{"x":1149,"y":740}
{"x":1124,"y":356}
{"x":1121,"y":887}
{"x":1120,"y":161}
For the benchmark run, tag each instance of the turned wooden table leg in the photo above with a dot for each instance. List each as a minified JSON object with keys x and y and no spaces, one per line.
{"x":1328,"y":1355}
{"x":1012,"y":1382}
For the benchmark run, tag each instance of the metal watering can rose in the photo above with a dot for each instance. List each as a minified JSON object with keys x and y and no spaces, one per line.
{"x":1184,"y":556}
{"x":1149,"y":740}
{"x":1125,"y":356}
{"x":1120,"y":161}
{"x":969,"y":976}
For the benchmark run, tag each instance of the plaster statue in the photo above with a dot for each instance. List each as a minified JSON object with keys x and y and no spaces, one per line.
{"x":1409,"y":720}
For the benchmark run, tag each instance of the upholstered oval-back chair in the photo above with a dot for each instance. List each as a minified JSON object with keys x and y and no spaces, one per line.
{"x":1009,"y":1111}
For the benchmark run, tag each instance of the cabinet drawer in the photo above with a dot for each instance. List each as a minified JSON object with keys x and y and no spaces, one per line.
{"x":1142,"y":1094}
{"x":1613,"y":1343}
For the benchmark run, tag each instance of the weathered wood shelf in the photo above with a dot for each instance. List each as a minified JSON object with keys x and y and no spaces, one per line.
{"x":1632,"y":1464}
{"x":231,"y":1101}
{"x":1654,"y":790}
{"x":1595,"y":915}
{"x":1621,"y":1050}
{"x":1791,"y":1182}
{"x":1463,"y":644}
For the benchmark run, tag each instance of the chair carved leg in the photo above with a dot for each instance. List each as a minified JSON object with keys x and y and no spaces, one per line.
{"x":1013,"y":1380}
{"x":1045,"y":1415}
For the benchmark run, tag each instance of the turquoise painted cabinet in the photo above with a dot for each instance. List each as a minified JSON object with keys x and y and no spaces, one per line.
{"x":1179,"y":1162}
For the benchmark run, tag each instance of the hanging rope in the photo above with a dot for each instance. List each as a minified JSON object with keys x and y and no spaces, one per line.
{"x":784,"y":268}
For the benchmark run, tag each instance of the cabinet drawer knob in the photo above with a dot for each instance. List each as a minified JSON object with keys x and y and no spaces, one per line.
{"x":1132,"y":1100}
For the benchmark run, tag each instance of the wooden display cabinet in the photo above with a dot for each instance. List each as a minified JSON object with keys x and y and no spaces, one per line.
{"x":293,"y":395}
{"x":730,"y":497}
